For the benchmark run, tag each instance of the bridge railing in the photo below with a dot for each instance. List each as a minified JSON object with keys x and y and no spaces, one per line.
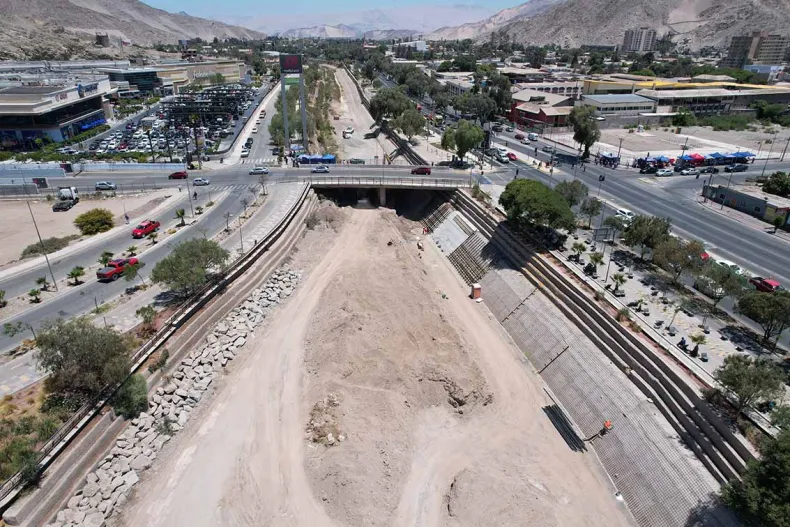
{"x":379,"y":181}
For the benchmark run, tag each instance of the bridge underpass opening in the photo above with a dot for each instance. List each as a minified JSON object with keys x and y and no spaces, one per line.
{"x":410,"y":203}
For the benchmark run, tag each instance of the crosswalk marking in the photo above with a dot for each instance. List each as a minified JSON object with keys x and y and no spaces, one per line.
{"x":259,"y":161}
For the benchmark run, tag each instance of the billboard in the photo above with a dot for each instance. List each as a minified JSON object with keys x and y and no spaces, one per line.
{"x":290,"y":64}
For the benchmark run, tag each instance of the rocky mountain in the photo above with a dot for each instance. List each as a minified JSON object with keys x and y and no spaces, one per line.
{"x":482,"y":28}
{"x":322,"y":31}
{"x":696,"y":23}
{"x":389,"y":34}
{"x":50,"y":29}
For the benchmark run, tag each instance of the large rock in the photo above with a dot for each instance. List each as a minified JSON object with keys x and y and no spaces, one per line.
{"x":74,"y":502}
{"x":95,"y":519}
{"x":228,"y":354}
{"x":131,"y":478}
{"x":141,"y":462}
{"x":181,"y":393}
{"x":116,"y":482}
{"x":239,"y":342}
{"x":90,"y":490}
{"x":222,"y":327}
{"x":183,"y":417}
{"x":211,"y":339}
{"x":78,"y":517}
{"x":169,"y":388}
{"x":123,"y":465}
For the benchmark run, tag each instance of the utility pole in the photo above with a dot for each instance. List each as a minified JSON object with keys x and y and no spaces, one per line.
{"x":51,"y":274}
{"x":785,"y":150}
{"x":619,"y":148}
{"x":151,"y":146}
{"x":241,"y":238}
{"x":770,"y":150}
{"x":189,"y":195}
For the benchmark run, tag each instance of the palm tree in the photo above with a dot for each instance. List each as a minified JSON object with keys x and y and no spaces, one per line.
{"x":133,"y":271}
{"x":579,"y":248}
{"x":2,"y":298}
{"x":618,"y":279}
{"x":105,"y":257}
{"x":131,"y":250}
{"x":76,"y":273}
{"x":153,"y":236}
{"x":180,"y":214}
{"x":42,"y":283}
{"x":35,"y":295}
{"x":596,"y":259}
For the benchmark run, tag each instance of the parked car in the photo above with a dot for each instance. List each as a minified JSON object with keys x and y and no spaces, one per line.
{"x":519,"y":136}
{"x":735,"y":168}
{"x":766,"y":285}
{"x":105,"y":185}
{"x":664,"y":172}
{"x":320,"y":169}
{"x":626,"y":215}
{"x":648,"y":170}
{"x":178,"y":175}
{"x":735,"y":268}
{"x":115,"y":268}
{"x":509,"y":128}
{"x":709,"y":170}
{"x":511,"y":156}
{"x":708,"y":287}
{"x":62,"y":205}
{"x":689,"y":172}
{"x":356,"y":161}
{"x":421,"y":171}
{"x":200,"y":182}
{"x":145,"y":228}
{"x":259,"y":170}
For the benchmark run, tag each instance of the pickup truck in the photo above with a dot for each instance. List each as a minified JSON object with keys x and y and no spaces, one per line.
{"x":115,"y":268}
{"x":145,"y":228}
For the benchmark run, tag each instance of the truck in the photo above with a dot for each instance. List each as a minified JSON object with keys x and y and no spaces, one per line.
{"x":115,"y":268}
{"x":68,"y":193}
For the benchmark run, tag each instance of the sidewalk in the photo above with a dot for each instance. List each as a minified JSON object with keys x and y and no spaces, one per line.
{"x":743,"y":218}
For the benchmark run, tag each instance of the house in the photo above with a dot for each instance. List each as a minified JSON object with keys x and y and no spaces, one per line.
{"x":537,"y":109}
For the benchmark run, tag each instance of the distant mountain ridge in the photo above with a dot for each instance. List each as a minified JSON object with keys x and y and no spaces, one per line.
{"x":482,"y":28}
{"x":347,"y":31}
{"x":63,"y":28}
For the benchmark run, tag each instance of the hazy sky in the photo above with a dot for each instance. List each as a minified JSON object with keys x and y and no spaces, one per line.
{"x":257,"y":8}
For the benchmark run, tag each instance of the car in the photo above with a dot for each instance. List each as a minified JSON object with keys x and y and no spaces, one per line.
{"x":421,"y":171}
{"x":519,"y":136}
{"x":766,"y":285}
{"x":678,"y":168}
{"x":259,"y":170}
{"x":708,"y":287}
{"x":689,"y":172}
{"x":497,"y":128}
{"x":509,"y":129}
{"x":62,"y":205}
{"x":730,"y":265}
{"x":200,"y":182}
{"x":664,"y":172}
{"x":105,"y":185}
{"x":735,"y":168}
{"x":245,"y":153}
{"x":320,"y":169}
{"x":548,"y":148}
{"x":178,"y":175}
{"x":356,"y":161}
{"x":349,"y":131}
{"x":626,"y":215}
{"x":524,"y":141}
{"x":115,"y":268}
{"x":255,"y":129}
{"x":648,"y":170}
{"x":709,"y":170}
{"x":145,"y":228}
{"x":511,"y":156}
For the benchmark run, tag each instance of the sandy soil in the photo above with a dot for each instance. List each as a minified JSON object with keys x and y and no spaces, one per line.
{"x":18,"y":230}
{"x":440,"y":417}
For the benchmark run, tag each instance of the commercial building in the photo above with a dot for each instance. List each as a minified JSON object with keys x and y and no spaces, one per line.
{"x":65,"y":108}
{"x":757,"y":48}
{"x":623,"y":105}
{"x":415,"y":45}
{"x":713,"y":101}
{"x":535,"y":109}
{"x":168,"y":78}
{"x":518,"y":75}
{"x":458,"y":86}
{"x":765,"y":72}
{"x":568,"y":88}
{"x":641,"y":40}
{"x":751,"y":200}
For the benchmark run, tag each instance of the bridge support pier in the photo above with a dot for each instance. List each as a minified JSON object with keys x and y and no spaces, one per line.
{"x":382,"y":196}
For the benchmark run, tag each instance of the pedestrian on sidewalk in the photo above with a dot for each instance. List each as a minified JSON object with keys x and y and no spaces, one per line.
{"x":126,"y":217}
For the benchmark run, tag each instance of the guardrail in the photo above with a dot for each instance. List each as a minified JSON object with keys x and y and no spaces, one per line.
{"x":126,"y":167}
{"x":387,"y":182}
{"x":74,"y":425}
{"x":28,"y":170}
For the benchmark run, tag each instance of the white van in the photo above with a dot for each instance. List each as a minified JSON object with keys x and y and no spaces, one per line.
{"x":532,"y":136}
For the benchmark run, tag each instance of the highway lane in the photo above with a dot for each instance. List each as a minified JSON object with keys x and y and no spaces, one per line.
{"x":83,"y":298}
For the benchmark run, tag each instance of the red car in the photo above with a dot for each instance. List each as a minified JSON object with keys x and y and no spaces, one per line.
{"x":422,"y":171}
{"x":766,"y":285}
{"x":178,"y":175}
{"x":145,"y":228}
{"x":115,"y":268}
{"x":511,"y":156}
{"x":519,"y":136}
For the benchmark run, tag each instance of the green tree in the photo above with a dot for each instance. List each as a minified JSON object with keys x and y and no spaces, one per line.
{"x":532,"y":202}
{"x":778,"y":183}
{"x":465,"y":136}
{"x":131,"y":250}
{"x":770,"y":310}
{"x":153,"y":236}
{"x":616,"y":223}
{"x":683,"y":118}
{"x":180,"y":215}
{"x":448,"y":139}
{"x":410,"y":122}
{"x":188,"y":267}
{"x":76,"y":273}
{"x":81,"y":358}
{"x":132,"y":271}
{"x":148,"y":314}
{"x":131,"y":399}
{"x":750,"y":380}
{"x":35,"y":295}
{"x":724,"y":282}
{"x":105,"y":257}
{"x":762,"y":497}
{"x":619,"y":279}
{"x":217,"y":78}
{"x":646,"y":232}
{"x":3,"y":301}
{"x":585,"y":127}
{"x":579,"y":249}
{"x":94,"y":221}
{"x":389,"y":103}
{"x":478,"y":104}
{"x":596,"y":258}
{"x":573,"y":191}
{"x":591,"y":207}
{"x":677,"y":256}
{"x":42,"y":283}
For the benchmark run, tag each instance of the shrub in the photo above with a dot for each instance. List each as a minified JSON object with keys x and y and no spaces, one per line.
{"x":48,"y":245}
{"x":160,"y":362}
{"x":94,"y":221}
{"x":131,"y":398}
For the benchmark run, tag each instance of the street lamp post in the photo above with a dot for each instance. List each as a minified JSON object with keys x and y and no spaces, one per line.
{"x":619,"y":148}
{"x":54,"y":282}
{"x":189,"y":195}
{"x":785,"y":150}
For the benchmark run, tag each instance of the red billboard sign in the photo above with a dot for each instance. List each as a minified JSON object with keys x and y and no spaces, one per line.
{"x":290,"y":64}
